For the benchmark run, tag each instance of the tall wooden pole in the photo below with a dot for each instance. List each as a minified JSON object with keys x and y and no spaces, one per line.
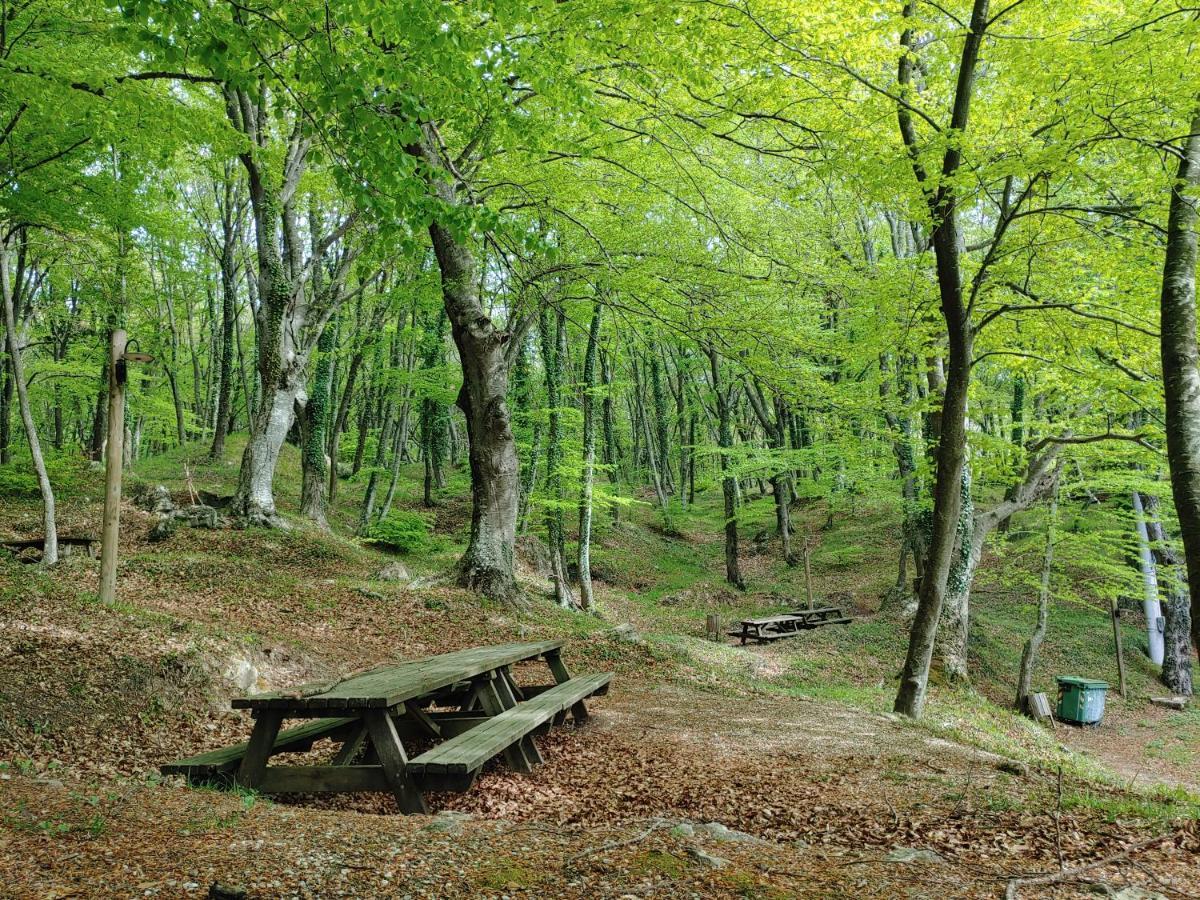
{"x":1116,"y":622}
{"x":807,"y":574}
{"x":113,"y":457}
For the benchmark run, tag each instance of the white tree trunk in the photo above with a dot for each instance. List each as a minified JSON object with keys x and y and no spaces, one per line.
{"x":1150,"y":601}
{"x":50,"y":539}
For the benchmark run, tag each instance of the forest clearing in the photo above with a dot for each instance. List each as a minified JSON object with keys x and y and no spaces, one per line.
{"x":599,"y":448}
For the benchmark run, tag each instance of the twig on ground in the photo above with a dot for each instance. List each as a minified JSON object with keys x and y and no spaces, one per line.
{"x":613,"y":845}
{"x":1078,"y":873}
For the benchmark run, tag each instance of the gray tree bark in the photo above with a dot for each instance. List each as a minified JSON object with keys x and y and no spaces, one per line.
{"x":1181,"y":360}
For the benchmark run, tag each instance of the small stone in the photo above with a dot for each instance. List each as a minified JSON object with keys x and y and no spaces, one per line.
{"x":394,"y":571}
{"x":449,"y":821}
{"x":625,"y":633}
{"x":715,"y":862}
{"x":913,"y":854}
{"x":1133,"y":892}
{"x":219,"y":891}
{"x":1013,"y":767}
{"x":719,"y":832}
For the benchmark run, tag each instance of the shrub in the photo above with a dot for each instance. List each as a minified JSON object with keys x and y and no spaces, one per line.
{"x":402,"y":531}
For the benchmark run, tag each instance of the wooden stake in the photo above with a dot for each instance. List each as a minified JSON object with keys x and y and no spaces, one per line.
{"x":1116,"y":620}
{"x":807,"y":574}
{"x":113,"y":458}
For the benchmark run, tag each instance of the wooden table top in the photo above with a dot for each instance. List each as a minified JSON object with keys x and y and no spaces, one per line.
{"x":391,"y":685}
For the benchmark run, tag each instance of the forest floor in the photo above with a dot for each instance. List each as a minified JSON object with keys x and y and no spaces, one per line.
{"x":709,"y":770}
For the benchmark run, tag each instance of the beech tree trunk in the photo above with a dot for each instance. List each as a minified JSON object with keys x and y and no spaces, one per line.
{"x":553,"y":355}
{"x":952,"y":444}
{"x":1146,"y":562}
{"x":1177,"y":647}
{"x":315,"y":421}
{"x":1029,"y":653}
{"x":49,"y":521}
{"x":589,"y":460}
{"x":487,"y":564}
{"x":1181,"y":361}
{"x":229,"y":233}
{"x":733,"y":572}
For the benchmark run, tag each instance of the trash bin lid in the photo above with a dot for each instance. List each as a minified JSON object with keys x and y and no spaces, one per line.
{"x":1080,"y":682}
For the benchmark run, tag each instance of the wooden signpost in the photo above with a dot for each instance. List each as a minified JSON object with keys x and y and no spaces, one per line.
{"x":114,"y":454}
{"x":1116,"y":622}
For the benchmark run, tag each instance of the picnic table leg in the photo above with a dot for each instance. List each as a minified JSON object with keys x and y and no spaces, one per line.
{"x":351,"y":747}
{"x":491,"y":700}
{"x":394,"y":760}
{"x":258,"y":750}
{"x":558,"y":669}
{"x":504,"y":687}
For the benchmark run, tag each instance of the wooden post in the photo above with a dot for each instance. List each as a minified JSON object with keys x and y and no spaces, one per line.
{"x":113,"y":458}
{"x":1116,"y":621}
{"x":807,"y":575}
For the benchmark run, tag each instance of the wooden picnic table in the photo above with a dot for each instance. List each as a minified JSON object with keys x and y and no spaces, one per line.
{"x":480,"y":712}
{"x":785,"y":625}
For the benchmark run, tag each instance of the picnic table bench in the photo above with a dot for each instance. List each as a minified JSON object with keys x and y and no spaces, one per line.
{"x":785,"y":625}
{"x":466,"y":703}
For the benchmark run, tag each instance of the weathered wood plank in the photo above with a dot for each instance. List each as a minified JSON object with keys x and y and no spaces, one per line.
{"x":472,"y":749}
{"x":390,"y":686}
{"x":322,"y":779}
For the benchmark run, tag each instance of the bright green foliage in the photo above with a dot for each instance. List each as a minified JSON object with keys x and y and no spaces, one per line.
{"x":402,"y":531}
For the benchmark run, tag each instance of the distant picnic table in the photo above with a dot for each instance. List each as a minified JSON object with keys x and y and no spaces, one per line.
{"x":466,"y":703}
{"x":785,"y":625}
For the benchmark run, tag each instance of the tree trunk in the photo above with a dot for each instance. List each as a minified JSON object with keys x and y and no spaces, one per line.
{"x":553,"y":346}
{"x":315,"y":419}
{"x":487,"y":564}
{"x":221,"y":425}
{"x":955,"y":621}
{"x":49,"y":522}
{"x":1177,"y":648}
{"x":1029,"y":654}
{"x":1181,"y":361}
{"x":733,"y":572}
{"x":952,"y":443}
{"x":1146,"y":563}
{"x":589,"y":460}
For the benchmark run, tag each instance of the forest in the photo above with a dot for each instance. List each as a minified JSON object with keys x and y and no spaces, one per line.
{"x":348,"y":334}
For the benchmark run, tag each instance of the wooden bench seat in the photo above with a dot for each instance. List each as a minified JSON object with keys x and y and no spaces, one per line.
{"x":464,"y":755}
{"x":208,"y":766}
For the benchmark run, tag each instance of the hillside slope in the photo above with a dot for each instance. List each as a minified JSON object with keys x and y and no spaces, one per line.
{"x":790,"y":746}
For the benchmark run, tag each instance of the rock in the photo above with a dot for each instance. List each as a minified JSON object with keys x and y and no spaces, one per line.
{"x":242,"y":673}
{"x":533,"y":552}
{"x":719,"y":832}
{"x":625,"y":633}
{"x":219,"y":891}
{"x":199,"y":516}
{"x":714,"y":862}
{"x":683,"y":830}
{"x":369,"y":594}
{"x":1013,"y":767}
{"x":449,"y":821}
{"x":157,"y":500}
{"x":393,"y":571}
{"x":163,"y":529}
{"x":913,"y":854}
{"x":1133,"y":892}
{"x":1170,"y":702}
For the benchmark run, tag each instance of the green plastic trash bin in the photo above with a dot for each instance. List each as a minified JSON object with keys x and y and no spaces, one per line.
{"x":1081,"y":700}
